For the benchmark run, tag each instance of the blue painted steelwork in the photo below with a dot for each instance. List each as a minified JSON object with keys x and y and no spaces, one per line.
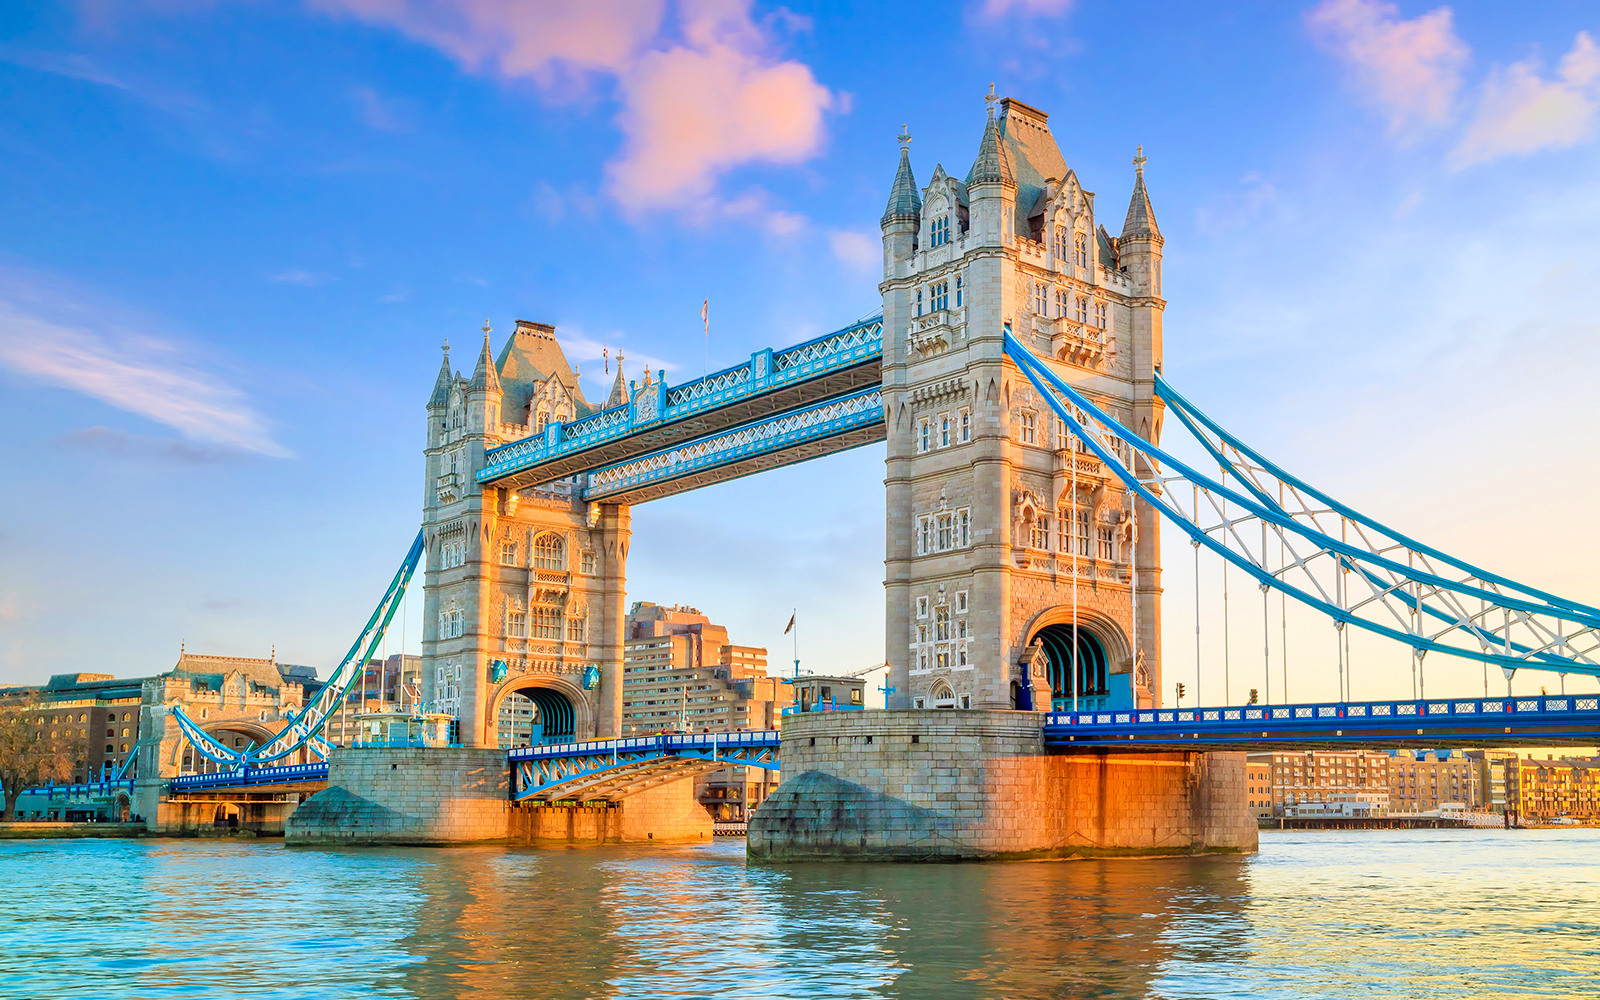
{"x":1557,"y":635}
{"x":790,"y":430}
{"x":83,"y":789}
{"x":304,"y":728}
{"x":604,"y":769}
{"x":244,"y":776}
{"x":1477,"y":722}
{"x":657,"y":406}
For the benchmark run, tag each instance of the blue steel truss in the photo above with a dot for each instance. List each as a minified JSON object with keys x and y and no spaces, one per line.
{"x":1364,"y":576}
{"x":245,"y":776}
{"x":790,"y":432}
{"x":1475,"y":722}
{"x":657,"y":407}
{"x":609,"y":769}
{"x":304,"y":728}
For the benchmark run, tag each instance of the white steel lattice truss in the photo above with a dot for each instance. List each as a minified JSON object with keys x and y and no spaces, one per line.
{"x":817,"y":421}
{"x":304,"y":728}
{"x":710,"y":385}
{"x":1292,"y":538}
{"x":837,"y":343}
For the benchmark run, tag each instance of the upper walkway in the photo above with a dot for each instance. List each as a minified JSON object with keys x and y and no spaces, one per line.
{"x":777,"y":408}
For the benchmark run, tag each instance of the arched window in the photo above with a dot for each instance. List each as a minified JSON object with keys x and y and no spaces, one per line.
{"x":549,"y":552}
{"x":1080,"y":250}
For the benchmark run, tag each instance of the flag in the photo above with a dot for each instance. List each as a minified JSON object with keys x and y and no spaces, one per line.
{"x":605,"y":352}
{"x":705,"y":315}
{"x":789,"y":627}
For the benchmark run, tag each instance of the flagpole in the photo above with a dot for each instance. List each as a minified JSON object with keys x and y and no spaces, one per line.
{"x":793,"y":618}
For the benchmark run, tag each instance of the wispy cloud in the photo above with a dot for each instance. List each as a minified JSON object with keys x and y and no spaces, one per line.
{"x":1000,"y":8}
{"x":44,"y":336}
{"x":121,"y":444}
{"x":295,"y":276}
{"x":1520,"y":112}
{"x":1409,"y":69}
{"x":862,"y":251}
{"x":714,"y":97}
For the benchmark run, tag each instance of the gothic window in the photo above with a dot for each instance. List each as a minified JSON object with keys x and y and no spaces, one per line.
{"x":508,"y":552}
{"x":546,"y":623}
{"x":961,"y":654}
{"x":1063,"y":302}
{"x":574,"y":629}
{"x":1030,"y":427}
{"x":961,"y":604}
{"x":1100,"y":315}
{"x":941,"y":624}
{"x":1041,"y":300}
{"x":966,"y":426}
{"x":588,"y":561}
{"x":1107,"y":545}
{"x":944,"y":430}
{"x":939,"y":296}
{"x":963,"y":521}
{"x":1059,"y":245}
{"x":925,"y":536}
{"x":922,"y":607}
{"x":539,"y":420}
{"x":961,"y":628}
{"x":1081,"y":311}
{"x":946,"y":532}
{"x":925,"y":434}
{"x":919,"y":302}
{"x":958,"y":291}
{"x":944,"y":660}
{"x":939,"y":233}
{"x":1074,"y":531}
{"x":549,"y":552}
{"x":1041,"y":532}
{"x":516,"y":623}
{"x":1080,"y":250}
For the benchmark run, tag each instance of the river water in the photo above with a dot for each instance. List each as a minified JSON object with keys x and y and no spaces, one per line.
{"x":1331,"y":914}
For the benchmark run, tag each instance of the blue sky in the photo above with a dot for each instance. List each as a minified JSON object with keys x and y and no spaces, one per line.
{"x":234,"y":235}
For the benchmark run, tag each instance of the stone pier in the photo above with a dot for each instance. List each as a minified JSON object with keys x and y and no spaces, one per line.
{"x":939,"y":785}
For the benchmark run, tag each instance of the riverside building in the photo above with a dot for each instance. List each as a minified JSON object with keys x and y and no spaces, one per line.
{"x":1543,"y":791}
{"x":1291,"y":779}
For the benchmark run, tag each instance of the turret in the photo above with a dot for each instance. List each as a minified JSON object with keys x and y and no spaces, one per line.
{"x":483,"y":393}
{"x":439,"y":402}
{"x":992,"y":188}
{"x":1139,"y":247}
{"x":903,"y":214}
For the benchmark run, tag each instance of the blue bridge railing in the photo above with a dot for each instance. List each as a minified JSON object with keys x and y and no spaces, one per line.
{"x":245,"y":775}
{"x":663,"y":741}
{"x":81,"y":790}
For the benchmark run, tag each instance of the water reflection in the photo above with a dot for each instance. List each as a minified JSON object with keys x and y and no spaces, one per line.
{"x":1438,"y":913}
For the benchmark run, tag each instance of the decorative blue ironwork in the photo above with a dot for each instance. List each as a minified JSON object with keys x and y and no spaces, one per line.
{"x":766,"y":371}
{"x":601,"y":769}
{"x":1510,"y":721}
{"x":797,"y":427}
{"x":80,"y":790}
{"x":243,"y":776}
{"x":304,"y":728}
{"x":1401,"y":593}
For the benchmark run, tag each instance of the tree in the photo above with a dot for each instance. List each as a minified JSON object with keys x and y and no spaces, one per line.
{"x":34,"y":748}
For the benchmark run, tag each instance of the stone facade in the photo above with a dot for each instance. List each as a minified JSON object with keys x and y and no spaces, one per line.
{"x":524,"y":588}
{"x":943,"y":786}
{"x":392,"y":795}
{"x":993,"y":510}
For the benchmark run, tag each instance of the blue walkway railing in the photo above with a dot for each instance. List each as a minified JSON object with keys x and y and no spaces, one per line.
{"x":81,"y":790}
{"x":596,"y":769}
{"x":245,"y":775}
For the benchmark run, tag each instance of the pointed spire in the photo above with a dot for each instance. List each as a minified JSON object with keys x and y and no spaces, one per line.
{"x":1141,"y":220}
{"x":619,"y":388}
{"x":441,"y":385}
{"x":993,"y":165}
{"x":905,"y":204}
{"x":484,"y":376}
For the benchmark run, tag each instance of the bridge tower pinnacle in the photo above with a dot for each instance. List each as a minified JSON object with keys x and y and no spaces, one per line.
{"x":1010,"y":555}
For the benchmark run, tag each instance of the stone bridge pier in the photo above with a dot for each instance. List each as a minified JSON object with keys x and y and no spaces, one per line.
{"x":932,"y":785}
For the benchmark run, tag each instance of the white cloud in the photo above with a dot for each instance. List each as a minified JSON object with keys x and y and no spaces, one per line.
{"x":692,"y":109}
{"x":1000,"y":8}
{"x":130,"y":371}
{"x":1410,"y":69}
{"x":1520,"y":112}
{"x":862,"y":251}
{"x":295,"y":276}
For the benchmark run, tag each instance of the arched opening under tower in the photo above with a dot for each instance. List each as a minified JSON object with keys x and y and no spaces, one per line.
{"x":530,"y":716}
{"x":1094,"y":686}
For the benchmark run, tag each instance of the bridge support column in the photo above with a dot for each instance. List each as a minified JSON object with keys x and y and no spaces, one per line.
{"x":405,"y":795}
{"x":932,"y":785}
{"x":665,"y":814}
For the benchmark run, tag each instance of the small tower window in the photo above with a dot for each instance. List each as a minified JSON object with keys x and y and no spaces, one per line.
{"x":958,"y":291}
{"x":1100,"y":315}
{"x":508,"y":553}
{"x":919,"y":302}
{"x":1041,"y":300}
{"x":1081,"y":313}
{"x":925,"y":431}
{"x":1080,"y":250}
{"x":939,"y":231}
{"x":966,"y":426}
{"x":944,"y":430}
{"x":1030,"y":427}
{"x":939,"y":296}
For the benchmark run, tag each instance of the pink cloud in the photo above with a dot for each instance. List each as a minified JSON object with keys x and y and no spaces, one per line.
{"x":1000,"y":8}
{"x":693,"y":108}
{"x":1410,"y":69}
{"x":1520,"y":112}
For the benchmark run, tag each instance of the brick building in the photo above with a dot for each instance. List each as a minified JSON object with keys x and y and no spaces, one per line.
{"x":1541,"y":791}
{"x":1292,"y":778}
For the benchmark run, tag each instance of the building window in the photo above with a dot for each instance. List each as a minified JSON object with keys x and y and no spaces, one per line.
{"x":963,"y":522}
{"x":922,"y":607}
{"x":574,"y":629}
{"x":1059,"y":245}
{"x":958,"y":291}
{"x":547,"y":623}
{"x":944,"y":430}
{"x":1080,"y":249}
{"x":939,"y":231}
{"x":1041,"y":300}
{"x":1100,"y":315}
{"x":946,"y":532}
{"x":924,"y":535}
{"x":1030,"y":429}
{"x":925,"y":435}
{"x":1063,"y":297}
{"x":941,"y":624}
{"x":549,"y":552}
{"x":508,"y":553}
{"x":943,"y":660}
{"x":1081,"y":312}
{"x":588,"y":561}
{"x":1074,"y":530}
{"x":961,"y":603}
{"x":939,"y":296}
{"x":1107,"y":545}
{"x":516,"y":623}
{"x":919,"y":302}
{"x":966,"y":426}
{"x":1041,"y":532}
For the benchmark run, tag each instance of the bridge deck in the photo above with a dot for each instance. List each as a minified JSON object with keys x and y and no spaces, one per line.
{"x":288,"y":777}
{"x":1572,"y":720}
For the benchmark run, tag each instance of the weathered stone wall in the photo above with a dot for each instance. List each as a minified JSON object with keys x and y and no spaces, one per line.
{"x":948,"y":785}
{"x":392,"y":795}
{"x":666,"y":814}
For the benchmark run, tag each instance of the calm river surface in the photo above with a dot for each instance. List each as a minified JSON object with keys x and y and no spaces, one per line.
{"x":1348,"y":914}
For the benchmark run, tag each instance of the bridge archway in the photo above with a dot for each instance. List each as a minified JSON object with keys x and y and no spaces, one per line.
{"x":1104,"y":658}
{"x":236,"y":734}
{"x":526,"y":711}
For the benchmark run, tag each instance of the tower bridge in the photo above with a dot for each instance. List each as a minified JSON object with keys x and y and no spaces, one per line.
{"x":1015,"y":376}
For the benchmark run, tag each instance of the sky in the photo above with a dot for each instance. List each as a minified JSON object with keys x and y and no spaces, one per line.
{"x":235,"y":233}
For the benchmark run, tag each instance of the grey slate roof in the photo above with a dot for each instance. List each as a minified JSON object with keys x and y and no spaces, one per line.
{"x":441,"y":385}
{"x":531,"y":356}
{"x":993,"y":165}
{"x":905,"y":204}
{"x":485,"y":376}
{"x":1141,"y":218}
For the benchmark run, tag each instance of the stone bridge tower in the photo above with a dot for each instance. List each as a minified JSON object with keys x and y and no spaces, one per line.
{"x":1011,"y":562}
{"x":524,"y":589}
